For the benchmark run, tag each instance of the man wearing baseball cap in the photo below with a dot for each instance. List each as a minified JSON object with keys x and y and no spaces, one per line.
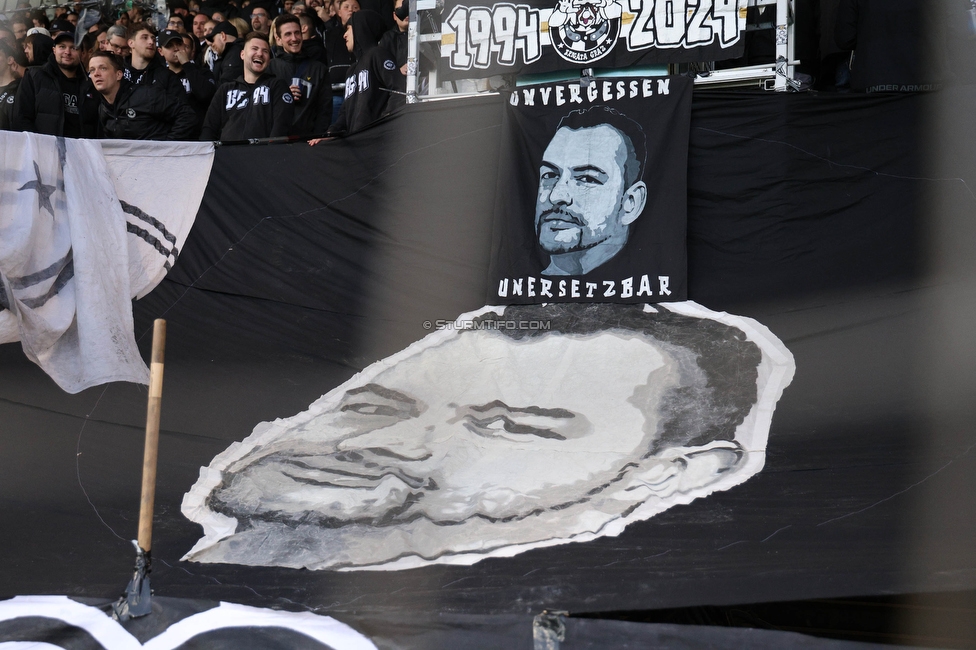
{"x":197,"y":81}
{"x":57,"y":98}
{"x":226,"y":45}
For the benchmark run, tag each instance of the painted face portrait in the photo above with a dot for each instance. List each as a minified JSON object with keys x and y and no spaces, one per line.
{"x":590,"y":193}
{"x":481,"y":442}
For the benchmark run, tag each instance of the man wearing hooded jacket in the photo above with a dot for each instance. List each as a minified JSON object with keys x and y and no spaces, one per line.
{"x":309,"y":79}
{"x":374,"y":85}
{"x":256,"y":105}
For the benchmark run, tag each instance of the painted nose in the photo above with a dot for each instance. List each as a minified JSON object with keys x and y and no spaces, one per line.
{"x":560,"y":194}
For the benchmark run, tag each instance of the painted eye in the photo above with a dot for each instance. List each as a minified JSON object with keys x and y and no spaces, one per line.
{"x":501,"y":425}
{"x":366,"y":408}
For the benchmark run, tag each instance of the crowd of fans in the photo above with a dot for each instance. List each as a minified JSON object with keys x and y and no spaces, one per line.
{"x":248,"y":69}
{"x":224,"y":70}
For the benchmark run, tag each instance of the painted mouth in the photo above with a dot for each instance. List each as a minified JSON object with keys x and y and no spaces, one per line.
{"x":560,"y":219}
{"x":327,"y":472}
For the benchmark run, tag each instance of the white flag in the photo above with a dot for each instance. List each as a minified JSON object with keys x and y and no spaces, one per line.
{"x":72,"y":254}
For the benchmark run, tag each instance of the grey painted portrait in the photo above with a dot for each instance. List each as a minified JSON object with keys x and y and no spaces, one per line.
{"x":529,"y":426}
{"x":590,"y":189}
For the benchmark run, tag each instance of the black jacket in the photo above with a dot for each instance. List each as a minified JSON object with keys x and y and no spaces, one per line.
{"x":39,"y":103}
{"x":395,"y":42}
{"x":314,"y":48}
{"x":374,"y":86}
{"x":889,"y":42}
{"x":230,"y":66}
{"x":145,"y":112}
{"x":7,"y":94}
{"x":313,"y":112}
{"x":155,"y":74}
{"x":241,"y":111}
{"x":199,"y":88}
{"x":339,"y":58}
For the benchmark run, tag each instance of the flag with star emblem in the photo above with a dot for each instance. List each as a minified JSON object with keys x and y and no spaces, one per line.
{"x":81,"y":233}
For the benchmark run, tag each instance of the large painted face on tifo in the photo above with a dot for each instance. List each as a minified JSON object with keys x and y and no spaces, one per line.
{"x":479,"y":425}
{"x":493,"y":440}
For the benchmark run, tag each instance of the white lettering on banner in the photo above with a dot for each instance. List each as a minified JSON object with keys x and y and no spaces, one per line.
{"x":503,"y":30}
{"x":576,"y":289}
{"x":627,"y":288}
{"x":664,"y":281}
{"x":546,"y":286}
{"x":598,"y":92}
{"x":685,"y":23}
{"x":509,"y":35}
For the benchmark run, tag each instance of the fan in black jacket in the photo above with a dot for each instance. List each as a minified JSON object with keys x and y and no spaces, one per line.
{"x":145,"y":66}
{"x":257,"y":105}
{"x":136,"y":112}
{"x":313,"y":92}
{"x":197,"y":81}
{"x":890,"y":39}
{"x":57,"y":98}
{"x":375,"y":85}
{"x":225,"y":43}
{"x":11,"y":68}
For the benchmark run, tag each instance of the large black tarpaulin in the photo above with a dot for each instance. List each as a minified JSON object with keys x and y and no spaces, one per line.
{"x":545,"y":35}
{"x":187,"y":624}
{"x":592,"y":193}
{"x":816,"y":215}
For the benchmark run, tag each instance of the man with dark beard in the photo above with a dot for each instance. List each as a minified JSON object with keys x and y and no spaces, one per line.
{"x":590,"y":189}
{"x":256,"y":105}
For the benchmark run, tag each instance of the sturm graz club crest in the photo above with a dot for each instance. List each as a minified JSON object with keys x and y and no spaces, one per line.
{"x":585,"y":30}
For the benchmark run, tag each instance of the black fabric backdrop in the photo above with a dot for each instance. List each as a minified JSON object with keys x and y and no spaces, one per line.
{"x":843,"y":223}
{"x":655,"y":245}
{"x":435,"y":631}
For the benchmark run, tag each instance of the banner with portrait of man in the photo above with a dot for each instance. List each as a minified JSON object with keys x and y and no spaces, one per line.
{"x":591,"y":204}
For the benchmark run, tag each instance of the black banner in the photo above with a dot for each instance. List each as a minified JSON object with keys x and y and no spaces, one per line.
{"x":811,"y":213}
{"x":546,"y":35}
{"x":592,"y":203}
